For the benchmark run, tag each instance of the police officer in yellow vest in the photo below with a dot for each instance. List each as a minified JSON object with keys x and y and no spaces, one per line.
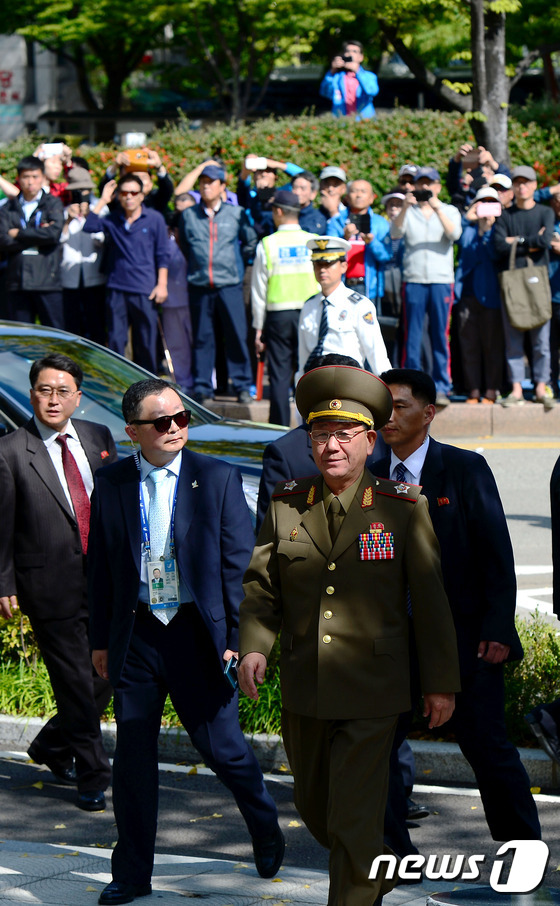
{"x":334,"y":561}
{"x":282,"y":280}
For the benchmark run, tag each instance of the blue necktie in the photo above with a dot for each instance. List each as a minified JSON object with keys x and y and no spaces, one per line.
{"x":323,"y":328}
{"x":400,"y":472}
{"x":159,"y":521}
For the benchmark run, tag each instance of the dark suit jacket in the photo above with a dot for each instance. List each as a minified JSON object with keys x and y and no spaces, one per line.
{"x":476,"y":552}
{"x":555,"y":526}
{"x":291,"y":457}
{"x":41,"y":557}
{"x":213,"y":538}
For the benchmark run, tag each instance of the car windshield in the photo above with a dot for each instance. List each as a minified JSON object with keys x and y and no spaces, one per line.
{"x":106,"y":377}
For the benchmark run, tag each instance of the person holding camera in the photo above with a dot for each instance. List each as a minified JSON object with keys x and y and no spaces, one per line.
{"x":481,"y":335}
{"x":83,"y":279}
{"x":348,"y":85}
{"x":368,"y":235}
{"x":429,"y":229}
{"x":137,"y":263}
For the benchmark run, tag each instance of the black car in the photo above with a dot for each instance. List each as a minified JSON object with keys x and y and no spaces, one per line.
{"x":106,"y":377}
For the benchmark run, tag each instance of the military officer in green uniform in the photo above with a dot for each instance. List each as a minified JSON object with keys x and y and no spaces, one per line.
{"x":334,"y":561}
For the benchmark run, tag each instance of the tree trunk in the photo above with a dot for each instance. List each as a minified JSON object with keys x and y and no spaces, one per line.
{"x":491,"y":85}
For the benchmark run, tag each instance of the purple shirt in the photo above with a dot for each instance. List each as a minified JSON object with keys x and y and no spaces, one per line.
{"x":135,"y":251}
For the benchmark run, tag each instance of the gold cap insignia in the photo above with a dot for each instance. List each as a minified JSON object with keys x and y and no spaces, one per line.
{"x":321,"y":244}
{"x":335,"y":404}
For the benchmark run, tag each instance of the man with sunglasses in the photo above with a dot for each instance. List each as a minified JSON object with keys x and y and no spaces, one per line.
{"x":137,"y":263}
{"x":46,"y":477}
{"x":335,"y":558}
{"x":183,"y":514}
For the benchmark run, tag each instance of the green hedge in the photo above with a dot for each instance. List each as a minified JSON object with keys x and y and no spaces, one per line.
{"x":370,"y":149}
{"x":25,"y":689}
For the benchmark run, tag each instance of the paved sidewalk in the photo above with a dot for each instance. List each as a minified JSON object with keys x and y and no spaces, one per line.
{"x":38,"y":873}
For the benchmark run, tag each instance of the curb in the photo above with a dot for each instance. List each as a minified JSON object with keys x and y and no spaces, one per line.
{"x":436,"y":762}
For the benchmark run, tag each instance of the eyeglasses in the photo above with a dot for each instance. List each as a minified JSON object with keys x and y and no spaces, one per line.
{"x":63,"y":393}
{"x":163,"y":423}
{"x":343,"y":437}
{"x":133,"y":192}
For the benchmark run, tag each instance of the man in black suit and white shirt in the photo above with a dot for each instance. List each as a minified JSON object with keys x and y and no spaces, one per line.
{"x":479,"y":578}
{"x":46,"y":477}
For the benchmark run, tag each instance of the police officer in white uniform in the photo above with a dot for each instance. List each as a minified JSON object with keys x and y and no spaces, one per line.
{"x":338,"y":320}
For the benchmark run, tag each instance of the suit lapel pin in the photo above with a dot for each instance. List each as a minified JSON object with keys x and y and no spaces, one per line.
{"x":104,"y":454}
{"x":195,"y":484}
{"x":443,"y":501}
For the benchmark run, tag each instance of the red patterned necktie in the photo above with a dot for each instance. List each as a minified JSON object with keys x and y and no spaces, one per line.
{"x":78,"y":493}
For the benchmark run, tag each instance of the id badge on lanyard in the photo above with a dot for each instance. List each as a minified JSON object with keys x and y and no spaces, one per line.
{"x":163,"y":574}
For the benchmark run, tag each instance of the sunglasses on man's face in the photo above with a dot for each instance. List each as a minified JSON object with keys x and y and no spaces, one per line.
{"x":163,"y":423}
{"x":125,"y":192}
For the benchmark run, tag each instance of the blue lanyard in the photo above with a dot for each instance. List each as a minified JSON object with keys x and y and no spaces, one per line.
{"x":144,"y":519}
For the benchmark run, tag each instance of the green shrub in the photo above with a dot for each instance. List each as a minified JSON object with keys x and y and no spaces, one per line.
{"x":374,"y":149}
{"x":535,"y":679}
{"x":25,"y":687}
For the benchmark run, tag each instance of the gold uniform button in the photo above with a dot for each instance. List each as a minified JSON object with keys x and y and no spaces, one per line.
{"x":330,"y":589}
{"x":331,"y":566}
{"x":327,"y":614}
{"x":327,"y":639}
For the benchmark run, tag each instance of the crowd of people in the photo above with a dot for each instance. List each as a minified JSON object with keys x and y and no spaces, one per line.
{"x":237,"y":277}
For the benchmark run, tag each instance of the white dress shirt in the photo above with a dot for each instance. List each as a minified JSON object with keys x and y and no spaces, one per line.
{"x":54,"y":450}
{"x":413,"y":463}
{"x":147,"y":491}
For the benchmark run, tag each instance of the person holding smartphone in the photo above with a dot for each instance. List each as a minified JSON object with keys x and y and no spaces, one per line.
{"x":429,"y":229}
{"x":481,"y":335}
{"x":349,"y":86}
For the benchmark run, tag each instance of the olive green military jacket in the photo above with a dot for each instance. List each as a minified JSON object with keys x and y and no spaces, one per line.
{"x":341,"y":610}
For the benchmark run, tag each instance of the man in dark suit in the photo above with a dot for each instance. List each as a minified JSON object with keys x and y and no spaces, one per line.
{"x":479,"y":577}
{"x":46,"y":477}
{"x":186,"y":512}
{"x":544,"y":719}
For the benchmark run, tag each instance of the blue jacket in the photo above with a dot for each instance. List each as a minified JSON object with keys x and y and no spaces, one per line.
{"x":477,"y":257}
{"x":554,"y":270}
{"x":332,"y":87}
{"x":377,"y":252}
{"x":216,"y":249}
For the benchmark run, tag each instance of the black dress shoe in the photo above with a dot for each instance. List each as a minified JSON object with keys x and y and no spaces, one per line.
{"x":269,"y":852}
{"x":120,"y":892}
{"x":92,"y":801}
{"x":544,"y":727}
{"x":244,"y":397}
{"x":65,"y":775}
{"x":415,"y":811}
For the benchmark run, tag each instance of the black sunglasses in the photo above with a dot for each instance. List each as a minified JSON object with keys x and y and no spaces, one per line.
{"x":163,"y":423}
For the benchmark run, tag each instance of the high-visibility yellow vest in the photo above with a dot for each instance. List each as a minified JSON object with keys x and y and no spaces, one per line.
{"x":290,"y":272}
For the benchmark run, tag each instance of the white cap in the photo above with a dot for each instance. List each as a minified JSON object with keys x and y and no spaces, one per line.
{"x":486,"y":192}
